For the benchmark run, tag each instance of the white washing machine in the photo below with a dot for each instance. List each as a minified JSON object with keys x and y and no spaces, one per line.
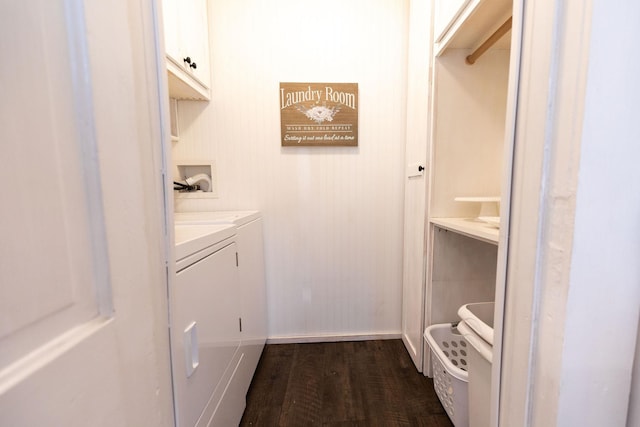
{"x":251,"y":272}
{"x":204,"y":311}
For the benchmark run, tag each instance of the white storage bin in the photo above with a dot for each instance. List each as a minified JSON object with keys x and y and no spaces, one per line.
{"x":449,"y":352}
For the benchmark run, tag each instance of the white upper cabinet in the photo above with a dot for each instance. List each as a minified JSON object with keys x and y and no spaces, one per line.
{"x":186,"y":32}
{"x":171,"y":32}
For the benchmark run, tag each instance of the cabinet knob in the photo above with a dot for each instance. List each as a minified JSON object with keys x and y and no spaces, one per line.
{"x":191,"y":63}
{"x":420,"y":168}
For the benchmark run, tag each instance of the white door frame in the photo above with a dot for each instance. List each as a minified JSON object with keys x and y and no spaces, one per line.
{"x":567,"y":302}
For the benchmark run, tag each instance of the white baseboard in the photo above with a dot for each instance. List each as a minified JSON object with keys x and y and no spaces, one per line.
{"x":301,"y":339}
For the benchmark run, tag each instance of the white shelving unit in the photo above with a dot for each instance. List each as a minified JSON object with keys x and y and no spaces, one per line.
{"x":468,"y":114}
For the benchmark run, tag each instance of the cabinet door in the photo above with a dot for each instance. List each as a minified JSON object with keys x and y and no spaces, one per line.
{"x":170,"y":19}
{"x":205,"y":332}
{"x":194,"y":38}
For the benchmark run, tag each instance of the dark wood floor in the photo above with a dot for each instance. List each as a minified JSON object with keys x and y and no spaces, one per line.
{"x":366,"y":383}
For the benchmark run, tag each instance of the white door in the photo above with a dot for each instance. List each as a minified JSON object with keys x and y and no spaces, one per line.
{"x":415,"y":193}
{"x":83,"y":338}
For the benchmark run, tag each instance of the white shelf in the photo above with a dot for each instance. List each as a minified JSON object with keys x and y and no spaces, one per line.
{"x":494,"y":199}
{"x":470,"y":227}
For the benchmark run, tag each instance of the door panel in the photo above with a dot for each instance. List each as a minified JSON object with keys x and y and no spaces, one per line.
{"x":50,"y":242}
{"x":413,"y":274}
{"x":67,"y":356}
{"x":416,"y":183}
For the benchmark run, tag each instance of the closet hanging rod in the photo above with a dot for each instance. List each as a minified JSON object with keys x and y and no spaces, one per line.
{"x":504,"y":28}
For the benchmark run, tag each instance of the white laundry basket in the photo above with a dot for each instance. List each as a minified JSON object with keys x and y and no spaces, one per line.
{"x":449,"y":352}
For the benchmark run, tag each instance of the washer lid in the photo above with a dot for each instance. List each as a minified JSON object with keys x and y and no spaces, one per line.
{"x":216,"y":217}
{"x":194,"y":238}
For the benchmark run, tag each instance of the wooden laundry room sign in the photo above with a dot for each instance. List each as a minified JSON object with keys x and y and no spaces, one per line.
{"x":319,"y":114}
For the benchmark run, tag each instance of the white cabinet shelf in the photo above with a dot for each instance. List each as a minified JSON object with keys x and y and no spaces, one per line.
{"x":470,"y":227}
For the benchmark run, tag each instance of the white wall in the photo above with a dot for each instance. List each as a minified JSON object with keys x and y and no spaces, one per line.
{"x":333,"y":216}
